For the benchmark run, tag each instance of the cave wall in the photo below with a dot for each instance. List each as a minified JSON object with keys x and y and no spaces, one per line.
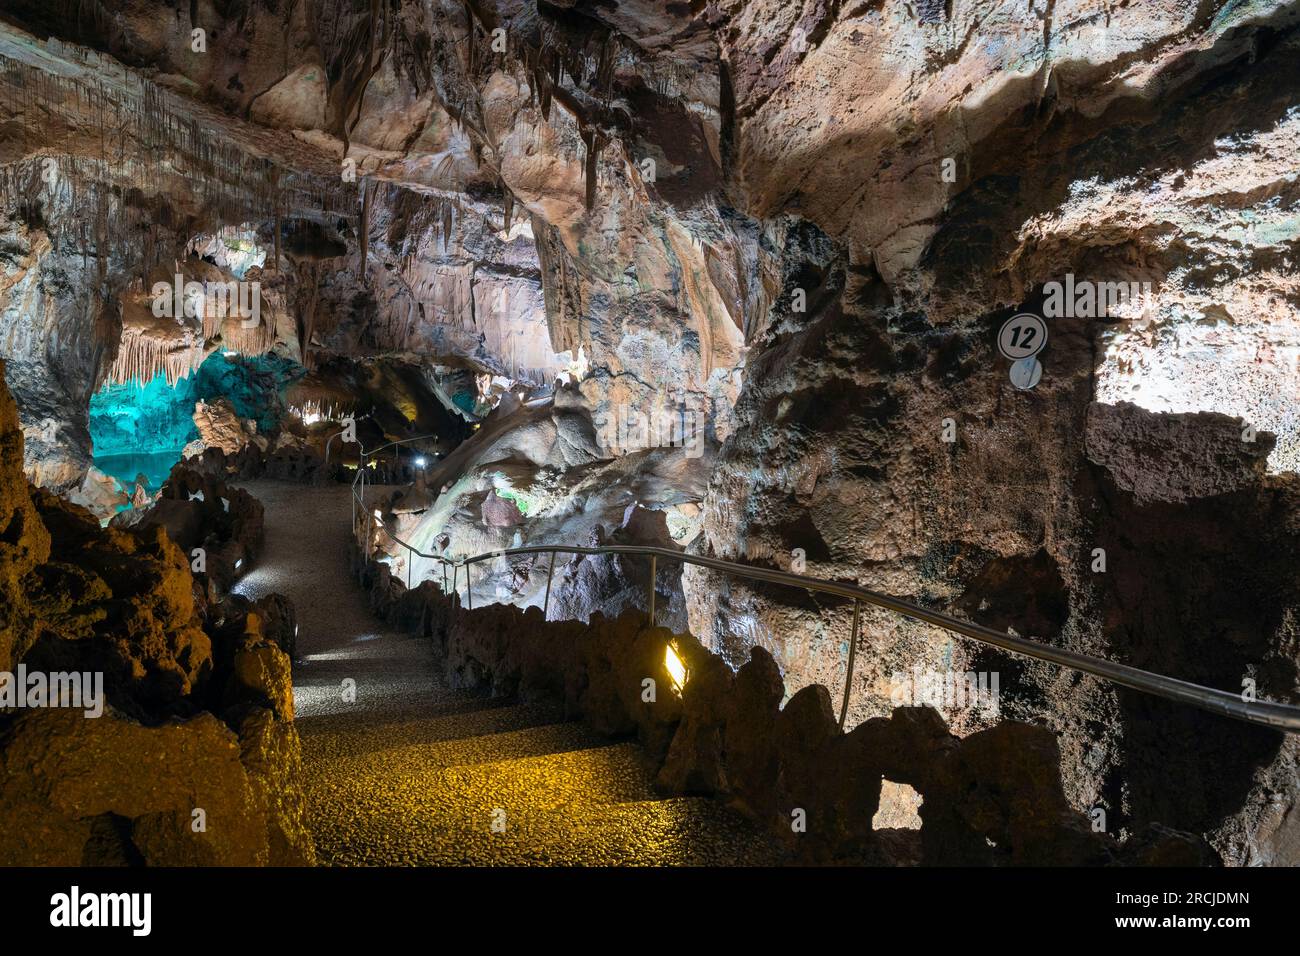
{"x":840,"y":451}
{"x":916,"y":173}
{"x":193,"y":714}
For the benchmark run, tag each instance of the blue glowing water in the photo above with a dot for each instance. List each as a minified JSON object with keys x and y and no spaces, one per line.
{"x":141,"y":429}
{"x":155,"y":468}
{"x":465,"y":400}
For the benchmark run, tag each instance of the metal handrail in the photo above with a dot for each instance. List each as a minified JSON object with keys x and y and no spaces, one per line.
{"x":361,"y":469}
{"x":1283,"y":717}
{"x":400,"y":441}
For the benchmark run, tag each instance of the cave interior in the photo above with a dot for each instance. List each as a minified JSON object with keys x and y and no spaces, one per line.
{"x":306,"y":303}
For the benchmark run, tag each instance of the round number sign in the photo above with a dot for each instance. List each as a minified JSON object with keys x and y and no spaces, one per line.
{"x":1022,"y":336}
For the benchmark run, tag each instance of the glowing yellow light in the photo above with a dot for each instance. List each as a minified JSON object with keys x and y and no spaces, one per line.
{"x":676,"y":669}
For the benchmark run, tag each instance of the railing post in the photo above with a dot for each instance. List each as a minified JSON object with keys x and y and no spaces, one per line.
{"x":469,"y":594}
{"x":853,"y":651}
{"x":654,"y":571}
{"x":455,"y":577}
{"x":546,"y":604}
{"x":410,"y":559}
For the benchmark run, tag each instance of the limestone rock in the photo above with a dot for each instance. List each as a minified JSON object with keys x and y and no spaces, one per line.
{"x":62,"y":771}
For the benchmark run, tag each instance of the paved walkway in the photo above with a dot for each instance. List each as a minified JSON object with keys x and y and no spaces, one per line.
{"x":413,"y":772}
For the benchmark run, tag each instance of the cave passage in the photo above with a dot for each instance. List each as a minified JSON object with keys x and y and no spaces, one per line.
{"x":402,"y":768}
{"x":604,"y":432}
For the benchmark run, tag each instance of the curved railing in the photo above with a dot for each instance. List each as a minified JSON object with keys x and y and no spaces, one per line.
{"x":1262,"y":713}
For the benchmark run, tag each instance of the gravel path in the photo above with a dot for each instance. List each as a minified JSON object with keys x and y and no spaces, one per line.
{"x":413,"y":772}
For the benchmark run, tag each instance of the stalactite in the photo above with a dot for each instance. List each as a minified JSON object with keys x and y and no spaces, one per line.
{"x":364,"y":231}
{"x":134,"y":119}
{"x":469,"y":22}
{"x":591,"y":138}
{"x":309,"y":316}
{"x":141,"y":357}
{"x":544,"y":92}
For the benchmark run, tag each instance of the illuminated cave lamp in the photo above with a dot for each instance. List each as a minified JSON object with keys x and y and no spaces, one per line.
{"x":675,"y":667}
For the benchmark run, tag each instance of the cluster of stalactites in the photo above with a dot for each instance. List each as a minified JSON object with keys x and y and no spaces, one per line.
{"x":133,"y":121}
{"x":74,"y":200}
{"x":312,"y":411}
{"x":238,"y":334}
{"x":548,"y":60}
{"x":141,"y":357}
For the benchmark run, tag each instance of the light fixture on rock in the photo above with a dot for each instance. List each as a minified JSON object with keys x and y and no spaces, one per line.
{"x":675,"y":666}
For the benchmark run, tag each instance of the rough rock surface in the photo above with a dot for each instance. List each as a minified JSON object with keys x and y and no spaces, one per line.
{"x":158,"y":777}
{"x":803,"y":222}
{"x":993,"y":798}
{"x":1174,"y":457}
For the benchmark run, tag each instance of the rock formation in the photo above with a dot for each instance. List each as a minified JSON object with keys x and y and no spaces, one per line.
{"x":191,"y":757}
{"x":728,"y":275}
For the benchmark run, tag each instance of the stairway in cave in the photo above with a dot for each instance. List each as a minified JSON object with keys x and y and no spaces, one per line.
{"x":412,"y":771}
